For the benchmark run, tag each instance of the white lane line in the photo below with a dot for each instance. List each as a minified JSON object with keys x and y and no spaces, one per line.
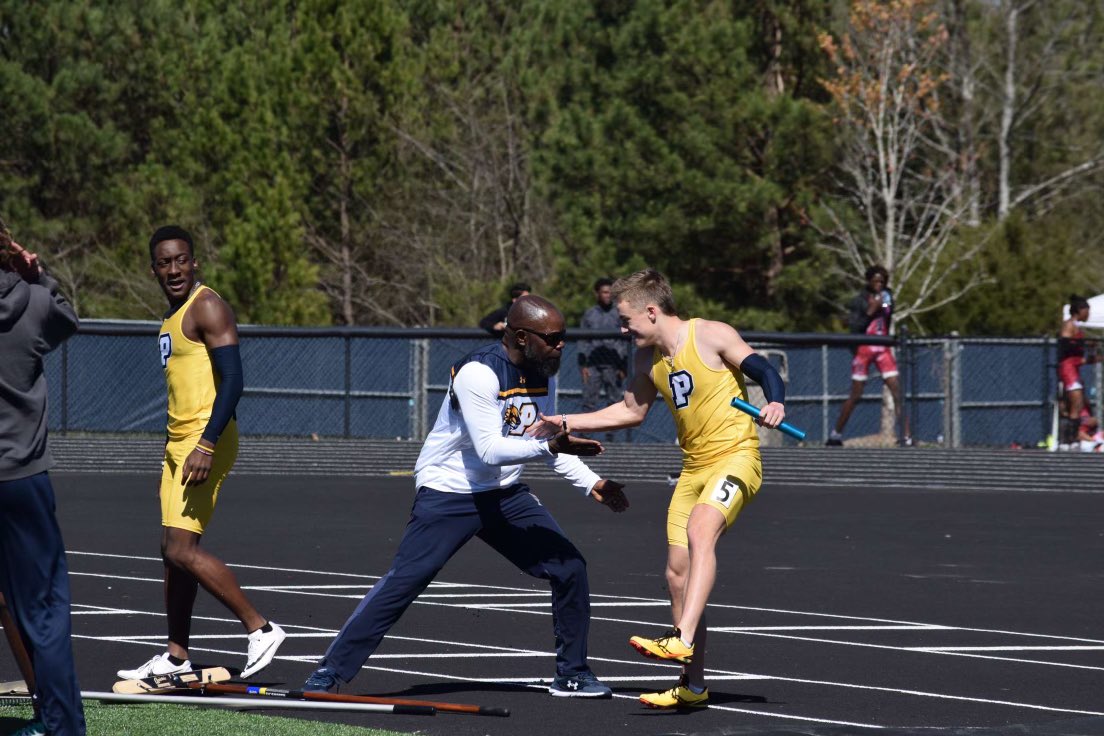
{"x":161,"y":614}
{"x":522,"y":608}
{"x":434,"y":584}
{"x":539,"y":683}
{"x":115,"y":577}
{"x":295,"y":588}
{"x":93,"y":613}
{"x":750,"y":631}
{"x":310,"y":588}
{"x":346,"y":596}
{"x":921,"y":650}
{"x":244,"y":567}
{"x":941,"y":696}
{"x":873,"y":688}
{"x":917,"y":627}
{"x":1010,"y":649}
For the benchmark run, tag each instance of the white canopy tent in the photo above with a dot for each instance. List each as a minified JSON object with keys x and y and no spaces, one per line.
{"x":1096,"y":313}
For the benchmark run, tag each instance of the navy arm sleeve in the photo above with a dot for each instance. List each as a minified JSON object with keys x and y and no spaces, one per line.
{"x":227,"y":362}
{"x":759,"y":369}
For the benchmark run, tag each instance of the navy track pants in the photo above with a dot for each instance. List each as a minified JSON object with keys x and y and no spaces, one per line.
{"x":35,"y":580}
{"x":513,"y":523}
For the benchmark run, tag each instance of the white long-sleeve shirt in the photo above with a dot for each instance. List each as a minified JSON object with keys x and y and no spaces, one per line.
{"x":478,"y":442}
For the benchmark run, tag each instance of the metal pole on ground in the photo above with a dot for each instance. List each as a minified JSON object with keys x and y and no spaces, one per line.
{"x":270,"y":692}
{"x":250,"y":703}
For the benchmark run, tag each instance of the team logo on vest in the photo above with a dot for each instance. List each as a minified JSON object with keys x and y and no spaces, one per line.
{"x":682,"y":385}
{"x":164,"y":344}
{"x":519,"y":417}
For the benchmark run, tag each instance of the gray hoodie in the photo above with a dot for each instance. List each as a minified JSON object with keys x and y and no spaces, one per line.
{"x":34,"y":319}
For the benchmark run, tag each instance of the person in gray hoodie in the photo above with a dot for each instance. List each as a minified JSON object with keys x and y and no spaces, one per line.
{"x":34,"y":319}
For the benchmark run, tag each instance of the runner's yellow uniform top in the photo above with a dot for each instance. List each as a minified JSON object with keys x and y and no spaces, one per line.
{"x":700,"y":400}
{"x":192,"y":383}
{"x":721,"y":466}
{"x":189,"y":375}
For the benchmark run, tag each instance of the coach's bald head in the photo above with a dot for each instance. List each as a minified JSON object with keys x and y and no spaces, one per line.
{"x":534,"y":336}
{"x":534,"y":311}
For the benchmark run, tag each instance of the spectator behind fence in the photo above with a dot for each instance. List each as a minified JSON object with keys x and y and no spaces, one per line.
{"x":1072,"y":354}
{"x":871,"y":312}
{"x":495,"y":322}
{"x":602,"y":363}
{"x":34,"y":575}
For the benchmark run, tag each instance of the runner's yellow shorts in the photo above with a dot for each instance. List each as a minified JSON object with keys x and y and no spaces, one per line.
{"x":727,"y":485}
{"x":190,"y":507}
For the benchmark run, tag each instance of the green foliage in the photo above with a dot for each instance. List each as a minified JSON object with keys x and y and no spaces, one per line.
{"x":1033,"y":267}
{"x":662,"y":146}
{"x":403,"y":162}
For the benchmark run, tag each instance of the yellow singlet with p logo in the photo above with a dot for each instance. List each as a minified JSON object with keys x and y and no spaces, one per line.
{"x":699,"y":398}
{"x":189,"y":375}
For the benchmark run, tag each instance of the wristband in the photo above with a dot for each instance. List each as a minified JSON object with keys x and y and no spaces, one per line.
{"x":563,"y":422}
{"x":206,"y":451}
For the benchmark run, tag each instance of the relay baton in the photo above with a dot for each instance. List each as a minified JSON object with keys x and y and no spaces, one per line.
{"x":786,"y":427}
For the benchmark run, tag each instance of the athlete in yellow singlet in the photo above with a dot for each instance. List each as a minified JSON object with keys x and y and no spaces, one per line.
{"x":698,"y":366}
{"x":198,"y":345}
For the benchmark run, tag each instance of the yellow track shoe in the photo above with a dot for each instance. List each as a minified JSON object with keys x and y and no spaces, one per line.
{"x":669,"y":646}
{"x":680,"y":696}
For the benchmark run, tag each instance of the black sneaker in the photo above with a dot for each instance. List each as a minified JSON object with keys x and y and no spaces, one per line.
{"x":904,"y":442}
{"x":323,"y":680}
{"x":582,"y":685}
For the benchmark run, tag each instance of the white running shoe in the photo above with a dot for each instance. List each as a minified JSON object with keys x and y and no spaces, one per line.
{"x":262,"y":648}
{"x":159,"y":665}
{"x":34,"y":728}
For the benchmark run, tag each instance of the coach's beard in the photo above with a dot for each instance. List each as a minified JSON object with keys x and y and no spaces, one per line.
{"x":547,"y":366}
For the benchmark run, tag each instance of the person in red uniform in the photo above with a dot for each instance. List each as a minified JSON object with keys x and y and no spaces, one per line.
{"x":871,"y":312}
{"x":1071,"y":356}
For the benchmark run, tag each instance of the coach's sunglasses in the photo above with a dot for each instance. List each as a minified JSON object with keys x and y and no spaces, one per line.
{"x":551,"y":340}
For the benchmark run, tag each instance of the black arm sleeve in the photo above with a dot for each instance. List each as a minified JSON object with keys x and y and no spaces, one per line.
{"x":759,"y":369}
{"x":228,"y":365}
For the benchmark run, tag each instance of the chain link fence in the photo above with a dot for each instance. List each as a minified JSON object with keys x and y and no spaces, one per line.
{"x":389,"y":383}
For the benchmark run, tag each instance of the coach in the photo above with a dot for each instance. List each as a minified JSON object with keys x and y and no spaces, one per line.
{"x":34,"y":576}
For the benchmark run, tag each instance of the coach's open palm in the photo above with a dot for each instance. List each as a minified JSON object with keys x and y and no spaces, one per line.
{"x":610,"y":493}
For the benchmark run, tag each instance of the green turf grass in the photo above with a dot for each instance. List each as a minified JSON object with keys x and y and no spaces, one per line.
{"x":180,"y":720}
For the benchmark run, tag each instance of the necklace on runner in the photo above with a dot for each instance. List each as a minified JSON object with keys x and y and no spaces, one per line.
{"x":670,"y":359}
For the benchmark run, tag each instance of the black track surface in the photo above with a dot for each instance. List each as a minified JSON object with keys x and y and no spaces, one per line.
{"x":835,"y":608}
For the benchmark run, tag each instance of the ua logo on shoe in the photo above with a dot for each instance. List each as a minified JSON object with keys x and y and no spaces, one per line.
{"x":573,"y":684}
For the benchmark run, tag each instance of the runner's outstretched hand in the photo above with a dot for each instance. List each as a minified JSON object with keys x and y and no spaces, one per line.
{"x":545,"y":428}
